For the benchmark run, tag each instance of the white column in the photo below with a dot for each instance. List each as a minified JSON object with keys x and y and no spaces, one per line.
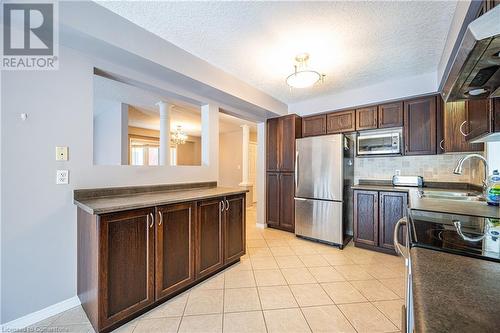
{"x":164,"y":132}
{"x":244,"y":155}
{"x":261,"y":175}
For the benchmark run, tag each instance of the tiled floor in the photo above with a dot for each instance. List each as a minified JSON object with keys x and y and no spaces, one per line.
{"x":283,"y":284}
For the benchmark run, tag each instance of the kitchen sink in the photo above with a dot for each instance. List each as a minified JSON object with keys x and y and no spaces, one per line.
{"x":450,"y":195}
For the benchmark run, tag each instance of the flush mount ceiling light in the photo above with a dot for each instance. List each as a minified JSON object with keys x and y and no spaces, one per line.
{"x":303,"y":77}
{"x":179,"y":137}
{"x":477,"y":92}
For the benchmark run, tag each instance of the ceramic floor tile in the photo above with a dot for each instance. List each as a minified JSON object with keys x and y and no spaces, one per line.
{"x":244,"y":322}
{"x":242,"y":299}
{"x":75,"y":328}
{"x":343,"y":292}
{"x":373,"y":290}
{"x":337,"y":259}
{"x":73,"y":316}
{"x":201,"y":324}
{"x":172,"y":308}
{"x":282,"y":251}
{"x":304,"y":250}
{"x":264,"y":263}
{"x":239,"y":279}
{"x":154,"y":325}
{"x":125,"y":328}
{"x":326,"y":274}
{"x":269,"y":277}
{"x":276,"y":242}
{"x":256,"y":243}
{"x":327,"y":319}
{"x":397,"y":285}
{"x":286,"y":320}
{"x":289,"y":262}
{"x":242,"y":265}
{"x":216,"y":282}
{"x":365,"y":317}
{"x":383,"y":272}
{"x":204,"y":302}
{"x":313,"y":260}
{"x":310,"y":295}
{"x":298,"y":276}
{"x":257,"y":252}
{"x":392,"y":310}
{"x":276,"y":297}
{"x":353,"y":272}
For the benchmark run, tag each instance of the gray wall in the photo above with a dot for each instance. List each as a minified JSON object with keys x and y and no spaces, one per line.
{"x":38,"y":239}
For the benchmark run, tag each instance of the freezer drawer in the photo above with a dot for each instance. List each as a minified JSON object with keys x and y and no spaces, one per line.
{"x":319,"y":219}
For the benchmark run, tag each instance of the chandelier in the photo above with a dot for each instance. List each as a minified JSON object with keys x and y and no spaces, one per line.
{"x":303,"y":77}
{"x":178,"y":137}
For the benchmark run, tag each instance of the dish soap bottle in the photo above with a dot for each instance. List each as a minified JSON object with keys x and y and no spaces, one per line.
{"x":493,"y":189}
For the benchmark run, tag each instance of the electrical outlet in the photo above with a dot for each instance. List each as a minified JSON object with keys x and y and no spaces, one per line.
{"x":61,"y":153}
{"x":62,"y":177}
{"x":397,"y":172}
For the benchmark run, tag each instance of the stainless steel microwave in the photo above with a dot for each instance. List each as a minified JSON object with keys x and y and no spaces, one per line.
{"x":375,"y":143}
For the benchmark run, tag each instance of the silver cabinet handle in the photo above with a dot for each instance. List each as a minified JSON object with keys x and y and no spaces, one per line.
{"x":227,"y":205}
{"x":461,"y":128}
{"x":161,"y":217}
{"x":152,"y":220}
{"x":397,"y":247}
{"x":223,"y":205}
{"x":441,"y":144}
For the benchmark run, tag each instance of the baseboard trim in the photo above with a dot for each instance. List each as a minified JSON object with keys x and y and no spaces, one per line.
{"x":40,"y":315}
{"x":261,"y":225}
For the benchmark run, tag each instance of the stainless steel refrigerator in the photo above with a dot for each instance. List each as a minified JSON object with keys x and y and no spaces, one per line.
{"x":324,"y":175}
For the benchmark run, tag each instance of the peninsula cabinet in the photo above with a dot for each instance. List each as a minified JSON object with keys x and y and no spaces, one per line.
{"x":131,"y":261}
{"x":375,"y":216}
{"x":420,"y":126}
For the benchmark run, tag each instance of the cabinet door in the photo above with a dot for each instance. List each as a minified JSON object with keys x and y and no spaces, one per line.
{"x":366,"y":118}
{"x":286,"y":201}
{"x":455,"y":129}
{"x":339,"y":122}
{"x":390,"y":115}
{"x":273,"y":144}
{"x":479,"y":115}
{"x":314,"y":125}
{"x":273,"y":199}
{"x":174,"y":248}
{"x":392,"y":207}
{"x":366,"y":217}
{"x":420,"y":126}
{"x":126,"y":264}
{"x":209,"y":237}
{"x":234,"y":228}
{"x":287,"y":143}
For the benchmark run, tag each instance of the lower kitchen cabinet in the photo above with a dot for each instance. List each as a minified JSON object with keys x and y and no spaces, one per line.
{"x":375,"y":216}
{"x":280,"y":201}
{"x":131,"y":261}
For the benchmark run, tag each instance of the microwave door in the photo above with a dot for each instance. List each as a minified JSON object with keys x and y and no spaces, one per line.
{"x":376,"y":145}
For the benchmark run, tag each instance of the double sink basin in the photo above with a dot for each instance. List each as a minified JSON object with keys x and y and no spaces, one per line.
{"x":451,"y":195}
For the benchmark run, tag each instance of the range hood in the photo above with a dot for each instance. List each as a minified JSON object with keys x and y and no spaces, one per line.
{"x":475,"y":72}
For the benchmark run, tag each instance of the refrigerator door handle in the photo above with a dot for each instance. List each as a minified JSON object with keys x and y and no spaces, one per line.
{"x":300,"y":199}
{"x":296,"y":170}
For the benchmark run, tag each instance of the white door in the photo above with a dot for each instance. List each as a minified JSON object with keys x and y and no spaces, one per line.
{"x":252,"y":168}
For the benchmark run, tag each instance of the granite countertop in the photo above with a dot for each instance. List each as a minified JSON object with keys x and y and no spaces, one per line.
{"x":453,"y":293}
{"x":415,"y":202}
{"x":119,"y":202}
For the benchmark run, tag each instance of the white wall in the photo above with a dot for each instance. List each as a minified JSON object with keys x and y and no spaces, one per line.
{"x":493,"y":155}
{"x":38,"y":240}
{"x":110,"y":133}
{"x":230,"y":158}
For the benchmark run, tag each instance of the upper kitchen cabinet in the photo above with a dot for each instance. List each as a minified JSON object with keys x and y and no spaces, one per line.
{"x":314,"y":125}
{"x":281,"y":135}
{"x":483,"y":117}
{"x":340,"y":122}
{"x":390,"y":115}
{"x":420,"y":126}
{"x":366,"y":118}
{"x":455,"y":129}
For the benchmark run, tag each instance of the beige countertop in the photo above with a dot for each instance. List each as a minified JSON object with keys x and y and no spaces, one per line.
{"x":453,"y":293}
{"x":114,"y":203}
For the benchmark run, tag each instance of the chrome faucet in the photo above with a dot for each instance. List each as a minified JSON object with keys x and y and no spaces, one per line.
{"x":459,"y":168}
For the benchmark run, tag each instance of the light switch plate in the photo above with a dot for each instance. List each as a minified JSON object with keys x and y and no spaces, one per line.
{"x":62,"y":177}
{"x":61,"y":153}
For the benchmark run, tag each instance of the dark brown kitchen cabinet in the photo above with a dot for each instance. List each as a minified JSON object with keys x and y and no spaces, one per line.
{"x":280,"y":201}
{"x":234,"y":228}
{"x":281,"y":135}
{"x":366,"y":217}
{"x":174,"y":248}
{"x":375,"y":216}
{"x":455,"y":129}
{"x":366,"y":118}
{"x":392,"y":207}
{"x":126,"y":263}
{"x":420,"y":126}
{"x":314,"y":125}
{"x":390,"y":115}
{"x":483,"y":117}
{"x":209,"y":242}
{"x":340,"y":122}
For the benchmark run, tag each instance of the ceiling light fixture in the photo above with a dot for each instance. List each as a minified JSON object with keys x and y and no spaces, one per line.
{"x":179,"y":137}
{"x":303,"y":77}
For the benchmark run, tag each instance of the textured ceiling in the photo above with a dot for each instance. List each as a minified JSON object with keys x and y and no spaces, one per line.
{"x":354,"y":43}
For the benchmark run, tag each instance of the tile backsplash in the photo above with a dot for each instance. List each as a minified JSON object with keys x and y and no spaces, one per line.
{"x":431,"y":167}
